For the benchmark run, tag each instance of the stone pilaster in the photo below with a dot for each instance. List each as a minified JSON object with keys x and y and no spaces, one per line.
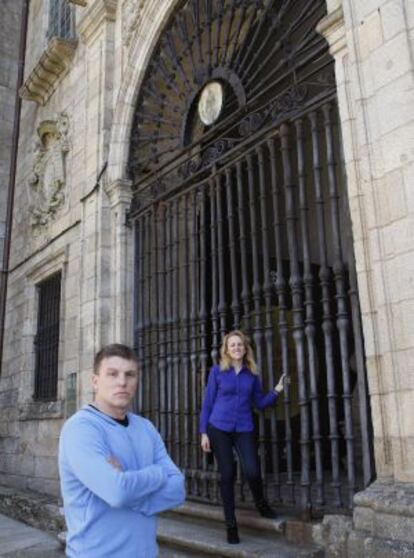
{"x":120,"y":195}
{"x":96,"y":29}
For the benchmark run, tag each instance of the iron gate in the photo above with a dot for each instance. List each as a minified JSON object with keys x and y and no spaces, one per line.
{"x":242,"y":223}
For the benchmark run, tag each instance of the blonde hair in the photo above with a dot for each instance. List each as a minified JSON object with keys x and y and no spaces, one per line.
{"x":248,"y":359}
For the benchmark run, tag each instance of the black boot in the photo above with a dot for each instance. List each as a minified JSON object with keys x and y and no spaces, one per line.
{"x":265,"y":510}
{"x":256,"y":486}
{"x":232,"y":532}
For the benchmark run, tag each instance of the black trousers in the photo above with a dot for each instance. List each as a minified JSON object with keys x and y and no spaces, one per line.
{"x":245,"y":444}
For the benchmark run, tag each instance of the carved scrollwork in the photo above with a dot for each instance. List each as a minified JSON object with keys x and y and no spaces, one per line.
{"x":48,"y":178}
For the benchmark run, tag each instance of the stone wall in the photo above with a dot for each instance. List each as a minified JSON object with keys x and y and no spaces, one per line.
{"x":9,"y":53}
{"x":70,"y":231}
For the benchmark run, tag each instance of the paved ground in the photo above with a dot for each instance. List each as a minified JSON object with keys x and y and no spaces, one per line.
{"x":18,"y":540}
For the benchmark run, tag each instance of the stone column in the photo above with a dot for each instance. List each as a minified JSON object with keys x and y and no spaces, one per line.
{"x":373,"y":51}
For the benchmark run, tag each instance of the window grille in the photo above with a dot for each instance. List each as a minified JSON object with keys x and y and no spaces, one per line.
{"x":47,"y":339}
{"x":61,"y":20}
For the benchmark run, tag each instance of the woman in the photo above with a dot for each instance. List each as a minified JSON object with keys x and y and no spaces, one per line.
{"x":226,"y":422}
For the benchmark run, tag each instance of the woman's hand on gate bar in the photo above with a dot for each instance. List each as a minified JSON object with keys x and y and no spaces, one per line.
{"x":205,"y":443}
{"x":279,"y":387}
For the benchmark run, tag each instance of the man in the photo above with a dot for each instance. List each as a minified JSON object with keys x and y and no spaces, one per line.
{"x":115,"y":472}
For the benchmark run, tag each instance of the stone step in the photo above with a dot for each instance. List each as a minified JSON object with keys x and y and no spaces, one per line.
{"x":182,"y":536}
{"x":286,"y":524}
{"x":245,"y":517}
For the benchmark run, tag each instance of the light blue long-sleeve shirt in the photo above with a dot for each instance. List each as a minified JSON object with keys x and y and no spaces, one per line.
{"x":111,"y":513}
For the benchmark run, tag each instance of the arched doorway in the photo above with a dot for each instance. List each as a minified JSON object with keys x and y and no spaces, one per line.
{"x":241,"y":220}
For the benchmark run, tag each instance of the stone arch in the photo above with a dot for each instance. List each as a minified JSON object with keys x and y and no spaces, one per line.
{"x":151,"y":23}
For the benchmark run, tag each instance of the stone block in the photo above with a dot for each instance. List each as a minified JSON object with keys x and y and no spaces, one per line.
{"x":391,"y":60}
{"x":390,"y":197}
{"x":332,"y":534}
{"x":46,"y":468}
{"x":355,"y":545}
{"x":394,"y":527}
{"x":398,"y":147}
{"x":393,"y":18}
{"x":404,"y":324}
{"x":382,"y":548}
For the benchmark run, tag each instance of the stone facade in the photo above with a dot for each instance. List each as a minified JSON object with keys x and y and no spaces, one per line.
{"x":9,"y":53}
{"x":85,"y":236}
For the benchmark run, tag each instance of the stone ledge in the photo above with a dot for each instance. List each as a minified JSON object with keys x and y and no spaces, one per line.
{"x":39,"y":410}
{"x":38,"y":510}
{"x":50,"y":69}
{"x":394,"y":498}
{"x":385,"y":511}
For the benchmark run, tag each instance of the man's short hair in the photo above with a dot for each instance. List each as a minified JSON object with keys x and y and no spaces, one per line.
{"x":117,"y":350}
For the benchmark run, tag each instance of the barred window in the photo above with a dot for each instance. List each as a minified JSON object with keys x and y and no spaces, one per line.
{"x":61,"y":20}
{"x":47,"y":339}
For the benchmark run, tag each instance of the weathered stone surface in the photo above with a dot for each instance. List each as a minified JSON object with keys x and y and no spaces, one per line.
{"x":332,"y":534}
{"x":35,"y":509}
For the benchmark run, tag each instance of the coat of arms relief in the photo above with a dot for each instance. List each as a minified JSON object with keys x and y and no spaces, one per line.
{"x":48,"y":179}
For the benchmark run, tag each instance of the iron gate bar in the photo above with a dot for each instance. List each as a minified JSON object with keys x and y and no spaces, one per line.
{"x":309,"y":306}
{"x":232,"y":246}
{"x":297,"y":312}
{"x":243,"y":245}
{"x":161,"y":226}
{"x":327,"y":319}
{"x":139,"y":330}
{"x":154,"y":319}
{"x":282,"y":307}
{"x":152,"y":280}
{"x":176,"y":326}
{"x":222,"y":307}
{"x":214,"y":276}
{"x":185,"y":411}
{"x":257,"y":333}
{"x":268,"y":326}
{"x":193,"y":338}
{"x":342,"y":321}
{"x":170,"y":326}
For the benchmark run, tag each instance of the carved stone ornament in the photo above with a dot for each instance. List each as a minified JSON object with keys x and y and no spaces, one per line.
{"x":47,"y":181}
{"x":131,"y":15}
{"x":52,"y":66}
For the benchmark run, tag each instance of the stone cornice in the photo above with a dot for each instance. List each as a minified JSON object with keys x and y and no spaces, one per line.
{"x":50,"y":69}
{"x":332,"y":27}
{"x":97,"y":14}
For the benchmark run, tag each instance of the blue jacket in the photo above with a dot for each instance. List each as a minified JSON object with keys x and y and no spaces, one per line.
{"x":229,"y":400}
{"x":111,"y":513}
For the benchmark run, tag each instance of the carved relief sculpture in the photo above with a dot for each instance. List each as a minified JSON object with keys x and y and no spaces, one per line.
{"x":47,"y":181}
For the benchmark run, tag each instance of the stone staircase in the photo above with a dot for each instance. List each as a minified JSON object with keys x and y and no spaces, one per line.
{"x":197,"y":531}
